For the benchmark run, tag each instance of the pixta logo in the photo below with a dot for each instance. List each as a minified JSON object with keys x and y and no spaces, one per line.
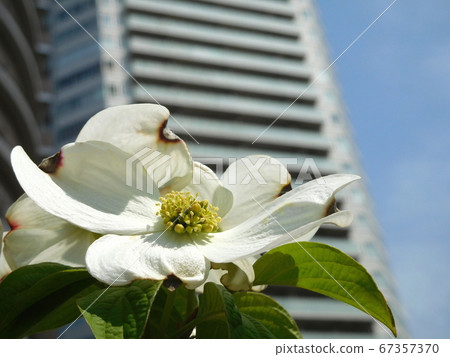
{"x":148,"y":167}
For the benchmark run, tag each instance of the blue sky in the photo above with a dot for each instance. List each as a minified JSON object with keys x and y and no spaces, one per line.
{"x":396,"y":84}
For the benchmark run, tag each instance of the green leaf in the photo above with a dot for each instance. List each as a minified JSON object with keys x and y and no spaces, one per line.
{"x":220,"y":317}
{"x":40,"y":297}
{"x":65,"y":313}
{"x":268,"y":313}
{"x":119,"y":311}
{"x":325,"y":270}
{"x":254,"y":328}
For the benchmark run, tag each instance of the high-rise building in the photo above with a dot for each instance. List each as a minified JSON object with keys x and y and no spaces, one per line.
{"x":242,"y":77}
{"x":24,"y":88}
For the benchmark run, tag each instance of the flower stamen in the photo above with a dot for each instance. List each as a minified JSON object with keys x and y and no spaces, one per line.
{"x":183,"y":213}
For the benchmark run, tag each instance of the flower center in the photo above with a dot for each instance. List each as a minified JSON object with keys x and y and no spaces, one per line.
{"x":183,"y":213}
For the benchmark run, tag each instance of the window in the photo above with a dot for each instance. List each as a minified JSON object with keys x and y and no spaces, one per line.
{"x":77,"y":77}
{"x":112,"y":90}
{"x":109,"y":64}
{"x":75,"y":9}
{"x":85,"y":99}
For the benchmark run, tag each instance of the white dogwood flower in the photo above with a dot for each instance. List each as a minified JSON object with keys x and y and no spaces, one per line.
{"x":176,"y":224}
{"x":36,"y":236}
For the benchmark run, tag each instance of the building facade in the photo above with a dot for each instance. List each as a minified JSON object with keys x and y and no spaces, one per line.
{"x":24,"y":88}
{"x":240,"y":77}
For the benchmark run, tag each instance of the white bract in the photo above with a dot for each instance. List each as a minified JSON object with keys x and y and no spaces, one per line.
{"x":177,"y":218}
{"x":37,"y":237}
{"x":4,"y":266}
{"x":236,"y":276}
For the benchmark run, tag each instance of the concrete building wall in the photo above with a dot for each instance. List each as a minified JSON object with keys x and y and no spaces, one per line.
{"x":24,"y":88}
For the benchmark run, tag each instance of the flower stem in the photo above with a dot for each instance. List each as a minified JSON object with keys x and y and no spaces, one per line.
{"x":191,"y":303}
{"x":193,"y":323}
{"x":166,"y":313}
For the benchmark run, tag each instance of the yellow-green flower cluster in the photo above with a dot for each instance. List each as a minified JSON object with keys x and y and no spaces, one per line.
{"x":183,"y":213}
